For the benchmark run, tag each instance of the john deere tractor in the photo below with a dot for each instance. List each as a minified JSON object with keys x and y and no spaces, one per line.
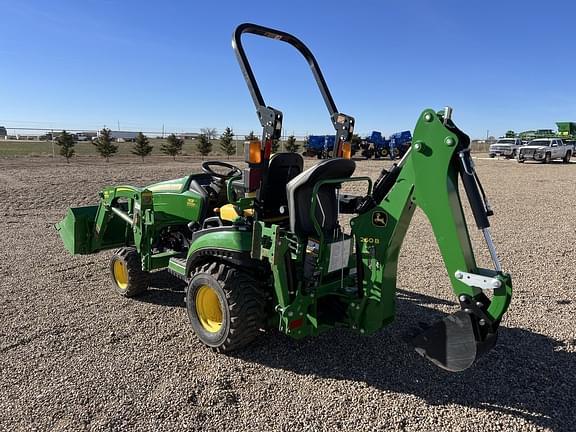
{"x":264,"y":246}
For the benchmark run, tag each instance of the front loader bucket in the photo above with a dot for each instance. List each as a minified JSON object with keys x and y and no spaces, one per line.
{"x":76,"y":229}
{"x":451,"y":343}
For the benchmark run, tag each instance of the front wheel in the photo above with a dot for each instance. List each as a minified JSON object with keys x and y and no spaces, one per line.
{"x":547,"y":158}
{"x":128,"y":278}
{"x":567,"y":156}
{"x":226,"y":306}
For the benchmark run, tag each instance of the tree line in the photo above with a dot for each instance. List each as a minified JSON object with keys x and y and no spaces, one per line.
{"x":106,"y":147}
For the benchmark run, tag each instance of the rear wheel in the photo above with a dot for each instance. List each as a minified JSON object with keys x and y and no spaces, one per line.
{"x":128,"y":278}
{"x":226,"y":306}
{"x":567,"y":156}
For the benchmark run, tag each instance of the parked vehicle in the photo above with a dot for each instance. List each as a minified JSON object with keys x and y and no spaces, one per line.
{"x":546,"y":149}
{"x":378,"y":146}
{"x":374,"y":145}
{"x":261,"y":247}
{"x":507,"y":147}
{"x":320,"y":146}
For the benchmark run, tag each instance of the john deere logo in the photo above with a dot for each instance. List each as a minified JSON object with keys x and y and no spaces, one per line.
{"x":379,"y":218}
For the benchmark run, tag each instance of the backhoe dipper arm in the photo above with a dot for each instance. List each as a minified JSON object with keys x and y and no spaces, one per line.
{"x":270,"y":118}
{"x":427,"y":177}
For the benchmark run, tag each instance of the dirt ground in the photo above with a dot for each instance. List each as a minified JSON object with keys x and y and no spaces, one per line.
{"x":75,"y":356}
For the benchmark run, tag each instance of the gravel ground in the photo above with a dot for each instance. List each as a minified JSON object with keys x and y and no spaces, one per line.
{"x":76,"y":356}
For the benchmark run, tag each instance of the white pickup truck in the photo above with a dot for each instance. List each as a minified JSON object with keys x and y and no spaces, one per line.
{"x":545,"y":150}
{"x":505,"y":147}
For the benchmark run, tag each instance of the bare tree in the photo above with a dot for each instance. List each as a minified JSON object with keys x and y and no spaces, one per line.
{"x":210,"y":133}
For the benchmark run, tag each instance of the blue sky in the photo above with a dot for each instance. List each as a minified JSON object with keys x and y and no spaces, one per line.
{"x":90,"y":63}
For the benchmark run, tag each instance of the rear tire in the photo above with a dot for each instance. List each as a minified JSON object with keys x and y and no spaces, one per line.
{"x":567,"y":156}
{"x":128,"y":278}
{"x":226,"y":306}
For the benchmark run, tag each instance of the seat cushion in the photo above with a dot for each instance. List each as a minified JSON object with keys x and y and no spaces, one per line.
{"x":282,"y":168}
{"x":299,"y":194}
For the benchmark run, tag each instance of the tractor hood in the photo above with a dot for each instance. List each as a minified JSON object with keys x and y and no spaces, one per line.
{"x":174,"y":186}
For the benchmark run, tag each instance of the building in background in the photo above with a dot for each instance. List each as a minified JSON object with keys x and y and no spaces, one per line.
{"x":120,"y":136}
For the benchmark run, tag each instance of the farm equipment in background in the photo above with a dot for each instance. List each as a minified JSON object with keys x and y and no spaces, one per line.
{"x":320,"y":146}
{"x":566,"y":132}
{"x":377,"y":146}
{"x":400,"y":142}
{"x":265,"y":246}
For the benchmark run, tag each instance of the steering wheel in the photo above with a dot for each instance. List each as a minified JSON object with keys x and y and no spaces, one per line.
{"x":233,"y":170}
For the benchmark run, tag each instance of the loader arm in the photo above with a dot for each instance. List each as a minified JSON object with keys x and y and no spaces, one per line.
{"x":427,"y":177}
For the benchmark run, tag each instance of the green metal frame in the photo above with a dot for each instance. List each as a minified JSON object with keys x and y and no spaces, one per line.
{"x":428,"y":180}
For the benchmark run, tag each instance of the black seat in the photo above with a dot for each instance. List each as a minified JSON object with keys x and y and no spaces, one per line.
{"x":282,"y":168}
{"x":299,"y":192}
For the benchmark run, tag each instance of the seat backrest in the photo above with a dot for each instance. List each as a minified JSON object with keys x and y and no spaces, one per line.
{"x":299,"y":192}
{"x":282,"y":168}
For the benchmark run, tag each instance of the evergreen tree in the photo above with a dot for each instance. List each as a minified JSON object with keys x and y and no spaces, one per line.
{"x":66,"y":142}
{"x":291,"y":144}
{"x":226,"y":143}
{"x":142,"y":146}
{"x":275,"y":146}
{"x":104,"y":144}
{"x":172,"y":146}
{"x":204,"y":145}
{"x":251,"y":137}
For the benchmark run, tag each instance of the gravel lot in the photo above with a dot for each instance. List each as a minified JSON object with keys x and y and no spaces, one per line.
{"x":76,"y":356}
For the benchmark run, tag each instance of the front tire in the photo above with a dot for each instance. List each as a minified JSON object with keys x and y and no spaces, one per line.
{"x":128,"y":278}
{"x":226,"y":306}
{"x":567,"y":156}
{"x":547,"y":158}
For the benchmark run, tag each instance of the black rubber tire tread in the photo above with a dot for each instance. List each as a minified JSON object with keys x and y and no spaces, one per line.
{"x":567,"y":156}
{"x":547,"y":158}
{"x":138,"y":280}
{"x":246,"y":304}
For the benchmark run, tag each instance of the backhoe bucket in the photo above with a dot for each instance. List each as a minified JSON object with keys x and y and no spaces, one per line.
{"x":451,"y":343}
{"x":76,"y":229}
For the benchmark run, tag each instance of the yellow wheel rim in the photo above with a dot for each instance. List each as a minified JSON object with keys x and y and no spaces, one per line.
{"x":120,"y":274}
{"x":208,"y":309}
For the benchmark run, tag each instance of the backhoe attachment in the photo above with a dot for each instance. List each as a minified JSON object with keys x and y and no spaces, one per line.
{"x":427,"y":177}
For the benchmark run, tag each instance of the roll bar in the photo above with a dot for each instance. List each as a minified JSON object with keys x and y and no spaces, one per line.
{"x":270,"y":118}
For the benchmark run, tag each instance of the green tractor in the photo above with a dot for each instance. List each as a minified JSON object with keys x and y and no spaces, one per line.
{"x":264,"y":246}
